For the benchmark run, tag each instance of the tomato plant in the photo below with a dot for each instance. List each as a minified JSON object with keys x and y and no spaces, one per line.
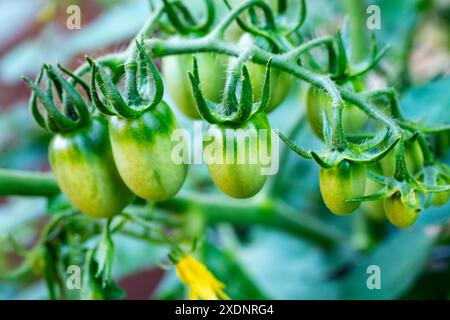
{"x":202,"y":195}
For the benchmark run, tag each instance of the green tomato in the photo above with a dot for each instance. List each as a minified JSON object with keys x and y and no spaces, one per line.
{"x":142,"y":150}
{"x":440,"y":198}
{"x":235,"y":164}
{"x":317,"y":100}
{"x":280,"y":81}
{"x":343,"y":182}
{"x":84,"y":168}
{"x":413,"y":157}
{"x":375,"y":209}
{"x":398,"y":213}
{"x":212,"y":71}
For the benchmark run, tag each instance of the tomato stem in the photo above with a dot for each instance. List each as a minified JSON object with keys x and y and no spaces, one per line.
{"x":276,"y":215}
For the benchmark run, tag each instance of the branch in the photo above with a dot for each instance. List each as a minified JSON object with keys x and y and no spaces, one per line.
{"x":214,"y":209}
{"x":22,"y":183}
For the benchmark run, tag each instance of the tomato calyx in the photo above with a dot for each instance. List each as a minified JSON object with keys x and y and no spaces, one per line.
{"x":237,"y":105}
{"x":368,"y":152}
{"x":138,"y":98}
{"x":76,"y":112}
{"x":184,"y":21}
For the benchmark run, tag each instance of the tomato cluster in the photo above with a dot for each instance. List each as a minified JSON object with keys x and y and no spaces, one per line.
{"x":103,"y":158}
{"x":346,"y":180}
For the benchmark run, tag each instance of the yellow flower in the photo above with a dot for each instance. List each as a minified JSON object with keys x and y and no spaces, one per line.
{"x":201,"y":282}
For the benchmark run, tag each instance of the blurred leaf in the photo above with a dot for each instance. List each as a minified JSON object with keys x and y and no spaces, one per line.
{"x":397,"y":19}
{"x":58,"y":203}
{"x":434,"y":215}
{"x":135,"y":255}
{"x":401,"y":259}
{"x":104,"y":256}
{"x":239,"y":284}
{"x":429,"y":103}
{"x":93,"y":288}
{"x":287,"y":268}
{"x":170,"y":287}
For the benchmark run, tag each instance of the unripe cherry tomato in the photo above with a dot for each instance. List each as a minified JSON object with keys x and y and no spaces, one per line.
{"x":375,"y":209}
{"x":212,"y":70}
{"x":142,"y":150}
{"x":440,"y":198}
{"x":343,"y":182}
{"x":398,"y":213}
{"x":85,"y":171}
{"x":238,"y":179}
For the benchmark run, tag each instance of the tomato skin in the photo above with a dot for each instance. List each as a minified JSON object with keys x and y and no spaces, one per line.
{"x":413,"y":157}
{"x":142,"y":150}
{"x":375,"y":209}
{"x":238,"y":180}
{"x":343,"y":182}
{"x":440,"y":198}
{"x":212,"y":71}
{"x":84,"y":168}
{"x":317,"y":100}
{"x":398,"y":213}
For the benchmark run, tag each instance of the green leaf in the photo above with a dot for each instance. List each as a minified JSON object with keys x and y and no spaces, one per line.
{"x":286,"y":267}
{"x":57,"y":204}
{"x":428,"y":103}
{"x":93,"y":288}
{"x":104,"y":256}
{"x":401,"y":259}
{"x":227,"y":268}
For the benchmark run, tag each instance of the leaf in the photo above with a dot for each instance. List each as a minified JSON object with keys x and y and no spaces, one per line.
{"x":104,"y":256}
{"x":93,"y":288}
{"x":397,"y":19}
{"x":57,"y":204}
{"x":239,"y":283}
{"x":434,"y":216}
{"x":428,"y":103}
{"x":401,"y":259}
{"x":285,"y":267}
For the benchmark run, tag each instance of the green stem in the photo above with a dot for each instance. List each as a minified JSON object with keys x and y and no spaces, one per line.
{"x":27,"y":184}
{"x":401,"y":171}
{"x":276,"y":215}
{"x":161,"y":48}
{"x":358,"y":38}
{"x":215,"y":210}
